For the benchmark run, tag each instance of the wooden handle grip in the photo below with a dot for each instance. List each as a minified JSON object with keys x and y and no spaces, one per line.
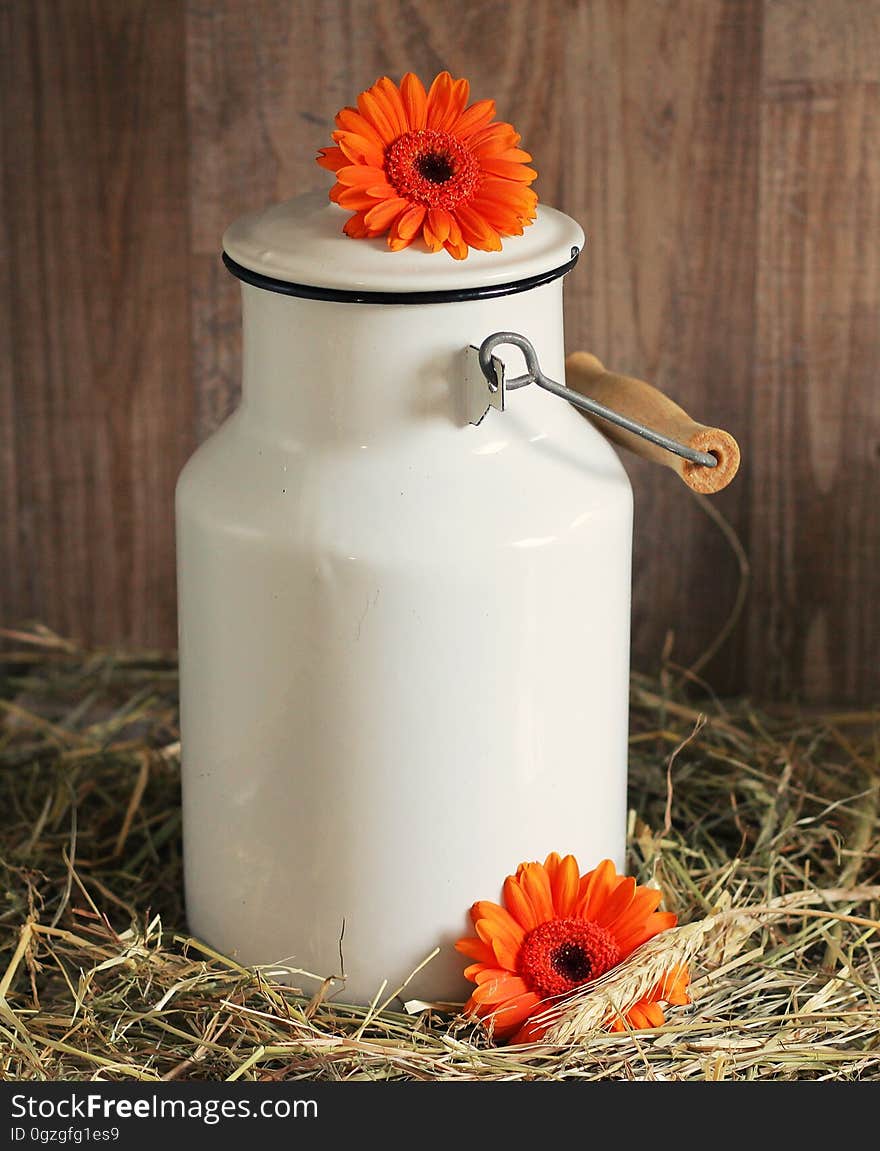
{"x":584,"y":373}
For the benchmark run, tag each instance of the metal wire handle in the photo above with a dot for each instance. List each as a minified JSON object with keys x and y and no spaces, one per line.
{"x":534,"y":375}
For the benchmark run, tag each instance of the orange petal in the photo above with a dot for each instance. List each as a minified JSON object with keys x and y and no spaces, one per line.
{"x":405,"y":228}
{"x":493,"y":972}
{"x":654,"y":1013}
{"x":673,"y":987}
{"x":456,"y":246}
{"x":478,"y":233}
{"x":645,"y":1014}
{"x":534,"y":879}
{"x":511,"y":1015}
{"x":409,"y":223}
{"x":440,"y":223}
{"x":355,"y":199}
{"x":632,"y":918}
{"x":636,"y":1017}
{"x":438,"y":99}
{"x":564,"y":886}
{"x":617,"y":902}
{"x":499,"y":990}
{"x":374,"y":113}
{"x":458,"y":249}
{"x":512,"y":216}
{"x":595,"y":888}
{"x":659,"y":921}
{"x":530,"y":1032}
{"x":384,"y":214}
{"x":386,"y":92}
{"x":350,"y":120}
{"x":518,"y":903}
{"x":475,"y":948}
{"x":355,"y":227}
{"x":508,"y":192}
{"x":360,"y":174}
{"x":507,"y":170}
{"x":497,"y":916}
{"x":504,"y":220}
{"x":359,"y":149}
{"x":430,"y":239}
{"x":331,"y":158}
{"x":497,"y":927}
{"x":503,"y":944}
{"x":461,"y":93}
{"x":447,"y":99}
{"x":514,"y":155}
{"x":397,"y":242}
{"x":471,"y":1008}
{"x":494,"y":138}
{"x":383,"y":191}
{"x":415,"y":101}
{"x":474,"y":118}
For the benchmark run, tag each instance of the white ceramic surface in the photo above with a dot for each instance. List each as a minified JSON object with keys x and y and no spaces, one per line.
{"x":302,"y":241}
{"x":404,"y":639}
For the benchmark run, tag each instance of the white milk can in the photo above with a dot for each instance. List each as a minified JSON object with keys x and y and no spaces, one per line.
{"x":404,"y":595}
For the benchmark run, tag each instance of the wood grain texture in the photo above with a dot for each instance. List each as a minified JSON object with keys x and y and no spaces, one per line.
{"x":822,"y":40}
{"x":815,"y":540}
{"x":722,"y":155}
{"x":95,"y":390}
{"x":814,"y":625}
{"x":658,"y":158}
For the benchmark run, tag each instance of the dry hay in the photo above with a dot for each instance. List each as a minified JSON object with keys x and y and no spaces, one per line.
{"x":761,"y":829}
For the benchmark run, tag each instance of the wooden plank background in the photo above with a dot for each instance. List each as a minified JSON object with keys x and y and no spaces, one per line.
{"x":723,"y":156}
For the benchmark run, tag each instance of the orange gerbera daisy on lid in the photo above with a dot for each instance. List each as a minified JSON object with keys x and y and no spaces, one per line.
{"x":558,"y":930}
{"x":412,"y":163}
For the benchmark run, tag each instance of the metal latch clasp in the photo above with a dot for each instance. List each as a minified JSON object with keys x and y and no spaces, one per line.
{"x":487,"y":387}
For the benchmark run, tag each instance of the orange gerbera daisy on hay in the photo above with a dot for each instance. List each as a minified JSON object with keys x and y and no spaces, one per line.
{"x":410,"y":162}
{"x":558,"y":930}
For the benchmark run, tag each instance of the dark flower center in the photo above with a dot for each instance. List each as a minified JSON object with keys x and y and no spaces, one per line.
{"x":435,"y":167}
{"x":432,"y":167}
{"x":572,"y":962}
{"x":561,"y":954}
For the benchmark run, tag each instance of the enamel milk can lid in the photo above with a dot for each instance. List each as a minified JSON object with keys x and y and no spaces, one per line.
{"x":298,"y":247}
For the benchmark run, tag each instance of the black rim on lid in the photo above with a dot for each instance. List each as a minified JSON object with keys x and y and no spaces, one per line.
{"x":346,"y":296}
